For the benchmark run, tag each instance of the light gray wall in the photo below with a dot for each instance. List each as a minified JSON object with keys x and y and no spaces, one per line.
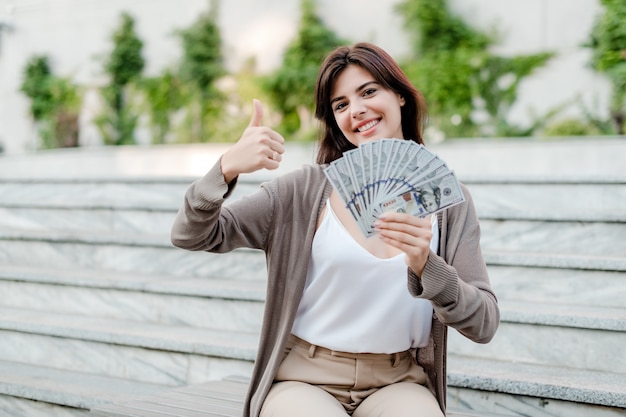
{"x":75,"y":32}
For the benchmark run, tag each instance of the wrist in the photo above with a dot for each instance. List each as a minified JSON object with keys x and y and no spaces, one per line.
{"x":227,"y":172}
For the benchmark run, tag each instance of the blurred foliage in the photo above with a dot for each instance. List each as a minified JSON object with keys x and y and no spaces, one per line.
{"x":239,"y":90}
{"x":570,"y":127}
{"x":608,"y":42}
{"x":54,"y":104}
{"x":124,"y":66}
{"x":202,"y":65}
{"x":164,"y":95}
{"x":291,"y":87}
{"x":469,"y":90}
{"x":37,"y":86}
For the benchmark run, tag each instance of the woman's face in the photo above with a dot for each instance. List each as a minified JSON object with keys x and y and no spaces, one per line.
{"x":364,"y":110}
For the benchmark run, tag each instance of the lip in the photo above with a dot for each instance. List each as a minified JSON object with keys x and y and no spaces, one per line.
{"x":365,"y":123}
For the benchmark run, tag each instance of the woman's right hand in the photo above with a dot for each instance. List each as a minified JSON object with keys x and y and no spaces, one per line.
{"x":259,"y":147}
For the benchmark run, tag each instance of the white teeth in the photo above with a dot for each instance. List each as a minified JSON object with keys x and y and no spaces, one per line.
{"x":368,"y":126}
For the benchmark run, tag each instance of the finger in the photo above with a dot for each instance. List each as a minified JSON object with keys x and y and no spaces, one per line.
{"x":395,"y":217}
{"x":414,"y":248}
{"x":257,"y":113}
{"x":403,"y":232}
{"x":276,"y":137}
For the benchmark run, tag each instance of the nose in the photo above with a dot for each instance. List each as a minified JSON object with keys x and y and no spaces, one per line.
{"x":358,"y":109}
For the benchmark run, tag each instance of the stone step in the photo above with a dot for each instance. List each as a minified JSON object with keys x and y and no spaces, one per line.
{"x":218,"y":398}
{"x":142,"y":254}
{"x":150,"y":221}
{"x":161,"y":297}
{"x":519,"y":405}
{"x":545,"y":382}
{"x":517,"y":199}
{"x":555,"y":260}
{"x":155,"y":353}
{"x":171,"y":355}
{"x":561,"y":335}
{"x":111,"y":194}
{"x":564,"y":238}
{"x":124,"y":206}
{"x":46,"y":391}
{"x":521,"y":326}
{"x":549,"y":200}
{"x":154,"y":253}
{"x":235,"y":305}
{"x":576,"y":287}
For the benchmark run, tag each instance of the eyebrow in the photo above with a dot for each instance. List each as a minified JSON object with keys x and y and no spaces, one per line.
{"x":359,"y":88}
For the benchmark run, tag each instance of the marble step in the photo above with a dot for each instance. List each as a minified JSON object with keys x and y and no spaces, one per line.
{"x":523,"y":383}
{"x":514,"y":285}
{"x":224,"y":398}
{"x":575,"y":287}
{"x":38,"y":391}
{"x":142,"y":220}
{"x":560,"y":329}
{"x":599,"y":239}
{"x":133,"y":253}
{"x":235,"y":305}
{"x":522,"y":389}
{"x":112,"y":194}
{"x":546,"y":200}
{"x":130,"y":207}
{"x":561,"y":335}
{"x":170,"y":354}
{"x":534,"y":259}
{"x":121,"y":202}
{"x":487,"y":375}
{"x":155,"y":254}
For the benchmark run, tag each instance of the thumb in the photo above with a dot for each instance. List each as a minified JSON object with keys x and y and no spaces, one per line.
{"x":257,"y":113}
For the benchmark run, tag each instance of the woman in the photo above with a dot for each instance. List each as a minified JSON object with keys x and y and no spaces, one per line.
{"x":353,"y":325}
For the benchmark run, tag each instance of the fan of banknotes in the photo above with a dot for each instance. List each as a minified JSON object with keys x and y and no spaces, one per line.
{"x":392,"y":175}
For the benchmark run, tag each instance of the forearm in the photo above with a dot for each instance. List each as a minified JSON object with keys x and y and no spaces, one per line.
{"x":466,"y":303}
{"x":200,"y":211}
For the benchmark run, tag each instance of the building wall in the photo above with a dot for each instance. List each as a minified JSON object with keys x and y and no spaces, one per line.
{"x":75,"y":34}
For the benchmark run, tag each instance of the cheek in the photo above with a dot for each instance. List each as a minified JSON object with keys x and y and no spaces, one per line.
{"x":342,"y":122}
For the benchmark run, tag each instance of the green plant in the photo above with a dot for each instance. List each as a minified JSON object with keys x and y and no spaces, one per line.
{"x":124,"y":66}
{"x":164,"y":94}
{"x":608,"y":42}
{"x":570,"y":127}
{"x":54,"y":104}
{"x":291,"y":86}
{"x":453,"y":67}
{"x":202,"y":65}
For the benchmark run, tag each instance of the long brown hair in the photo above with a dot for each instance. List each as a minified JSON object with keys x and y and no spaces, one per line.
{"x":386,"y":72}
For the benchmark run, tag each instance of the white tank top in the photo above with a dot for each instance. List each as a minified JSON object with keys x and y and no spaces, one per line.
{"x":354,"y":301}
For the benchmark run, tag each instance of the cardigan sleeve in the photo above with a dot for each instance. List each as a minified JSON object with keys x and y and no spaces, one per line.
{"x":206,"y":222}
{"x":457,"y":284}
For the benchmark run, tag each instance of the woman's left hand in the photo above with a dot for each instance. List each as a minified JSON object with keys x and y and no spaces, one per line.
{"x":408,"y":233}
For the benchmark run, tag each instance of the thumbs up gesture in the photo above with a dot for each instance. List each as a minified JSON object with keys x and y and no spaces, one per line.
{"x":259,"y":147}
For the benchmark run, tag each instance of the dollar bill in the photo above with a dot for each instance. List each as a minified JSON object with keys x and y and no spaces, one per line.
{"x":392,"y":175}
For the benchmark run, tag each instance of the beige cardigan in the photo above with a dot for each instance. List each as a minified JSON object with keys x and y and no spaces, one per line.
{"x":281,"y":220}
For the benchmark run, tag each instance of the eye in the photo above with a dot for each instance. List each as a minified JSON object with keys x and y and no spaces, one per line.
{"x":369,"y":92}
{"x":340,"y":106}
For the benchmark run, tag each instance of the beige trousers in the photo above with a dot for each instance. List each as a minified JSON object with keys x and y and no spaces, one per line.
{"x":316,"y":382}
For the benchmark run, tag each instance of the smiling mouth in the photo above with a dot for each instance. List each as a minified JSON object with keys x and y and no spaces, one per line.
{"x":367,"y":126}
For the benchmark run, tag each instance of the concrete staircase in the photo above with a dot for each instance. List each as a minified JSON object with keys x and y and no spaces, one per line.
{"x":97,"y":306}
